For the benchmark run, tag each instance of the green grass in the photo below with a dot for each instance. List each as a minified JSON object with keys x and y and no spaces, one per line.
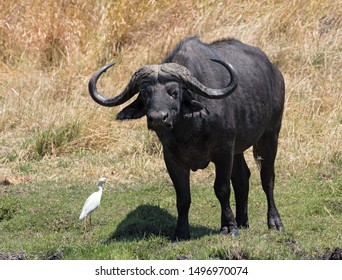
{"x":136,"y":220}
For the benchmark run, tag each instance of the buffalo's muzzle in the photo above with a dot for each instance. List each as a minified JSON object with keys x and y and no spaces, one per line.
{"x":158,"y":120}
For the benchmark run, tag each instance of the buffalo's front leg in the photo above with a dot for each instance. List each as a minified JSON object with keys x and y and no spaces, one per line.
{"x":223,"y":167}
{"x":181,"y":181}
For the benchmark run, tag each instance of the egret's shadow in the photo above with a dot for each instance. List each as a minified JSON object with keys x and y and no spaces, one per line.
{"x":147,"y":220}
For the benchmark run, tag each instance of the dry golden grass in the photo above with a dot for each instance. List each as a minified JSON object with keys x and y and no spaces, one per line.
{"x":49,"y":49}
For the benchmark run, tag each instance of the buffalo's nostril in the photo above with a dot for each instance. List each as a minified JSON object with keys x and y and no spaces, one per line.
{"x":165,"y":115}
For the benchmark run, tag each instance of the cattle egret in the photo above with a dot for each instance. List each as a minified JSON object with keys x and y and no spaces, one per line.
{"x":92,"y":202}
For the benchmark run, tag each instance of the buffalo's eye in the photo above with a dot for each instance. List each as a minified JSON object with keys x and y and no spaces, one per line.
{"x":145,"y":93}
{"x":174,"y":94}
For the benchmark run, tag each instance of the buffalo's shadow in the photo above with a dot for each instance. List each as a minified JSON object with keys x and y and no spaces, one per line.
{"x":147,"y":220}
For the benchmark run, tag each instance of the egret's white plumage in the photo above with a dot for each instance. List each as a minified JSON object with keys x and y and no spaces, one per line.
{"x":92,"y":202}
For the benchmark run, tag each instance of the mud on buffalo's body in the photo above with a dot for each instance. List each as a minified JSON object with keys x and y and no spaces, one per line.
{"x":209,"y":103}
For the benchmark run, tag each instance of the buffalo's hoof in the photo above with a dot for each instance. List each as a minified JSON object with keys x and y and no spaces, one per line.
{"x":281,"y":228}
{"x":245,"y":225}
{"x":278,"y":227}
{"x":182,"y":236}
{"x":232,"y":231}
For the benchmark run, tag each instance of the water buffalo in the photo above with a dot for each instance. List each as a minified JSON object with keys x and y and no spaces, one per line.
{"x":209,"y":103}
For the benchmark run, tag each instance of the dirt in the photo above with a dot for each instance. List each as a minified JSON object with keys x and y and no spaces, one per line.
{"x":184,"y":257}
{"x":334,"y":255}
{"x":12,"y":180}
{"x":329,"y":254}
{"x":13,"y":256}
{"x":292,"y":243}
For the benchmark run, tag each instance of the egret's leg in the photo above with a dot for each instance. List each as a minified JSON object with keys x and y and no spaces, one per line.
{"x":85,"y":226}
{"x":90,"y":220}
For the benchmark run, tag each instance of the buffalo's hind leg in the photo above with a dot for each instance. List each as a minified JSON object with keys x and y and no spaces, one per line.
{"x":240,"y":181}
{"x":265,"y":152}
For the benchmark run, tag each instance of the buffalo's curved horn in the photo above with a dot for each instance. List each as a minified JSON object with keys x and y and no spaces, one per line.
{"x":193,"y":84}
{"x":130,"y":90}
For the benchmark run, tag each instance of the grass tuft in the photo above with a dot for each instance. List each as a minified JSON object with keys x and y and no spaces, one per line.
{"x":53,"y":141}
{"x":8,"y":209}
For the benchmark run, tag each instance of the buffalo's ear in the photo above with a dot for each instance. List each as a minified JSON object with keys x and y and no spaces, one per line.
{"x":135,"y":110}
{"x":193,"y":108}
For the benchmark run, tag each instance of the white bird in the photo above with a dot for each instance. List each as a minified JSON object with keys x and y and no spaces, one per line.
{"x":92,"y":202}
